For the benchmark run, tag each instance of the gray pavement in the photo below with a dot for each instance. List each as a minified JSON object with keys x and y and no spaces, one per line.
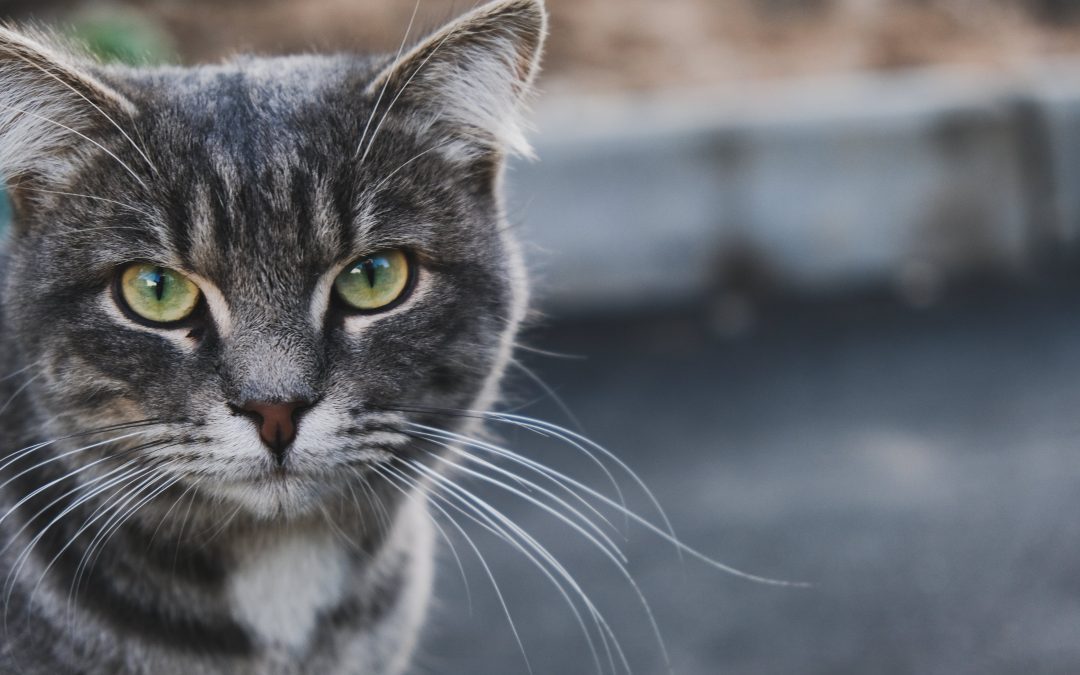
{"x":922,"y":468}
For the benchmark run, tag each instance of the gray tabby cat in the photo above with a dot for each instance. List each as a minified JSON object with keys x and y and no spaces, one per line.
{"x":230,"y":295}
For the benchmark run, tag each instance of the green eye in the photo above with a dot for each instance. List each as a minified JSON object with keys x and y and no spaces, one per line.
{"x":374,"y":282}
{"x":158,"y":294}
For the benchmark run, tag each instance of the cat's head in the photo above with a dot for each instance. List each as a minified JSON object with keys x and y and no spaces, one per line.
{"x":276,"y":263}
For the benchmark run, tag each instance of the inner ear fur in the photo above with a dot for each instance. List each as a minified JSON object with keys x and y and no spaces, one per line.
{"x":469,"y":82}
{"x":51,"y":106}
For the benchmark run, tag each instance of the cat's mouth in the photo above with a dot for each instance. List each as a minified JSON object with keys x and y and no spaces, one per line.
{"x":276,"y":492}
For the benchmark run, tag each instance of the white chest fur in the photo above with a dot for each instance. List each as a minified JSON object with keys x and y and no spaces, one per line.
{"x":280,"y":589}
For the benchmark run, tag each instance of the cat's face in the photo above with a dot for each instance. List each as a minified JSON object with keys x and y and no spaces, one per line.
{"x":278,"y":263}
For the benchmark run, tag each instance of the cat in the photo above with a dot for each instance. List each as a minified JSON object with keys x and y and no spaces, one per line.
{"x":232,"y":295}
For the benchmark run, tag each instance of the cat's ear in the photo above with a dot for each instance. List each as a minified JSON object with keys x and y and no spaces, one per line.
{"x":469,"y":82}
{"x":50,"y":107}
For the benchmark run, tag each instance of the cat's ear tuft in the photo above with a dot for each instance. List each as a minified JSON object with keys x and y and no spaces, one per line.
{"x":50,"y":105}
{"x":469,"y":82}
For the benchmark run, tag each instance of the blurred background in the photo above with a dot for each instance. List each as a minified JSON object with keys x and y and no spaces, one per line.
{"x":812,"y":269}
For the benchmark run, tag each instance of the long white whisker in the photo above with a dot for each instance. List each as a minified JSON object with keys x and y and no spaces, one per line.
{"x":132,"y":473}
{"x":490,"y":575}
{"x":100,"y":199}
{"x":604,"y":543}
{"x":183,"y":525}
{"x":481,"y":519}
{"x":223,"y":526}
{"x":118,"y":517}
{"x":96,"y":107}
{"x":386,"y":82}
{"x":18,"y":391}
{"x":16,"y":568}
{"x":453,"y":551}
{"x":580,"y":442}
{"x":382,"y":518}
{"x":75,"y":490}
{"x":478,"y":512}
{"x":538,"y":381}
{"x":62,"y":456}
{"x":616,"y":556}
{"x":132,"y":511}
{"x":20,"y":371}
{"x":557,"y":478}
{"x":51,"y":483}
{"x":349,"y":541}
{"x":80,"y":135}
{"x":545,"y":352}
{"x":378,"y":186}
{"x":15,"y":455}
{"x":161,"y":523}
{"x":89,"y":556}
{"x":591,"y":456}
{"x":401,"y":91}
{"x":668,"y":536}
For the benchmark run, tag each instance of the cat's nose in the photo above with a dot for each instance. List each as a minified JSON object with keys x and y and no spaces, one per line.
{"x":276,"y":422}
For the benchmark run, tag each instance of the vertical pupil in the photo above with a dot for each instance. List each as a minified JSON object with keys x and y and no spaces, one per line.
{"x":159,"y":283}
{"x":369,"y":271}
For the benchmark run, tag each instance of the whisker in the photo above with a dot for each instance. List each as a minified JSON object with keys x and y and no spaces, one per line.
{"x":118,"y":517}
{"x":543,"y":352}
{"x":579,"y":442}
{"x":95,"y":106}
{"x":487,"y":570}
{"x":161,"y":523}
{"x":381,"y":515}
{"x":183,"y":526}
{"x":20,"y":371}
{"x":115,"y":527}
{"x":386,"y":82}
{"x":549,"y":391}
{"x":68,"y":454}
{"x":607,"y":546}
{"x":106,"y":532}
{"x":18,"y":391}
{"x":95,"y":198}
{"x":349,"y":541}
{"x":42,"y":488}
{"x":616,"y":557}
{"x":15,"y":571}
{"x":481,"y":517}
{"x":80,"y":135}
{"x":449,"y":542}
{"x":223,"y":526}
{"x":129,"y":473}
{"x":486,"y":415}
{"x":552,"y":475}
{"x":670,"y":537}
{"x":78,"y":488}
{"x":16,"y":455}
{"x":401,"y":91}
{"x":378,"y":186}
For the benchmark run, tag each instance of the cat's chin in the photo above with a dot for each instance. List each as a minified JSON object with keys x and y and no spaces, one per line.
{"x":280,"y":496}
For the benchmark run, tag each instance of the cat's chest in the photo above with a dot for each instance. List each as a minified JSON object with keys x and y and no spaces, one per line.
{"x":280,"y":589}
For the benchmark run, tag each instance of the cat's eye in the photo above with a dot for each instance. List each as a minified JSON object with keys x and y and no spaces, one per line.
{"x":376,"y":282}
{"x":158,"y":294}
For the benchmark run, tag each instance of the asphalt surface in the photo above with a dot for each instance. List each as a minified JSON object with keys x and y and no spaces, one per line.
{"x":920,"y":467}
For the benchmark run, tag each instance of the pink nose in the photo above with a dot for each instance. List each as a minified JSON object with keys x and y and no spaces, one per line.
{"x":277,"y":423}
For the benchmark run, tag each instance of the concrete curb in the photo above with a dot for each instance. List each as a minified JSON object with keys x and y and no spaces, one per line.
{"x":906,"y":178}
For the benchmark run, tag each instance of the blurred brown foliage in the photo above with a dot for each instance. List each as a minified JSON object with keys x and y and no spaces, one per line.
{"x":639,"y":43}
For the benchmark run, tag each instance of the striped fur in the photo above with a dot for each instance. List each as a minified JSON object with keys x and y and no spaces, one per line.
{"x":144,"y":527}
